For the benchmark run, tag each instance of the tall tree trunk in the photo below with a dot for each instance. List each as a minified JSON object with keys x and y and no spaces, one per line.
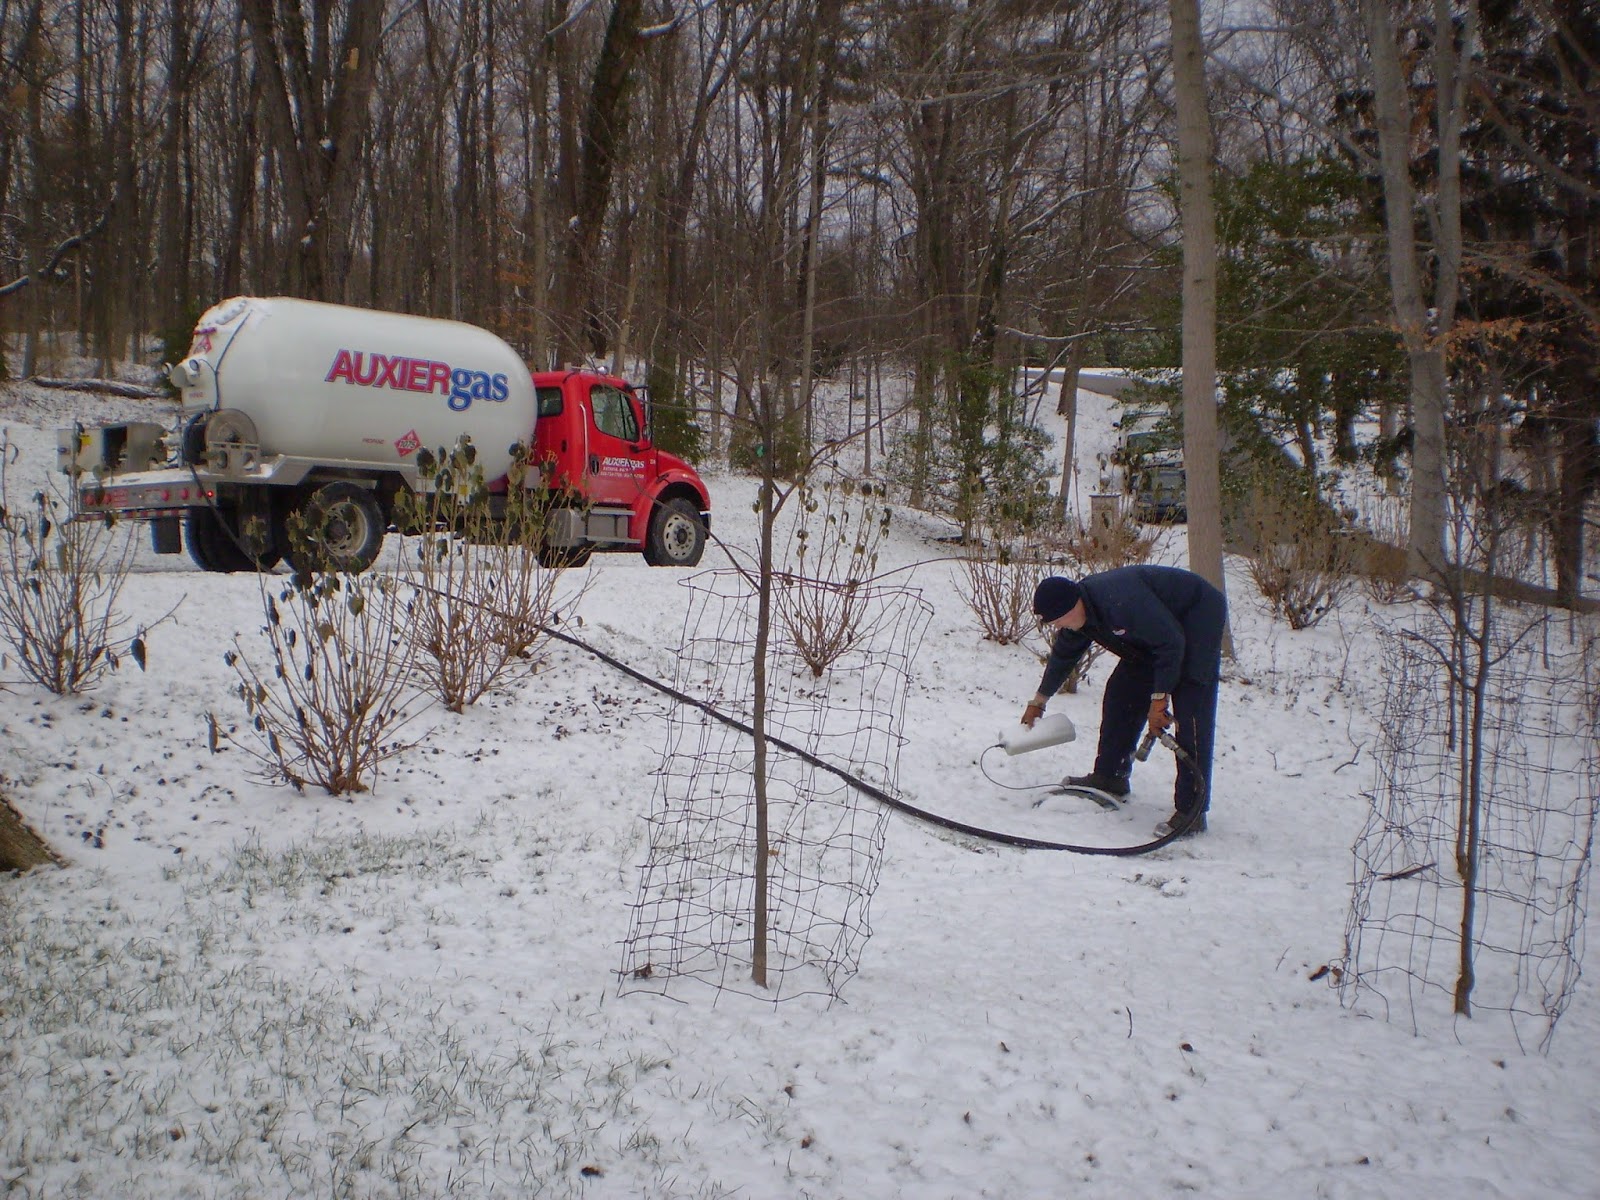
{"x":123,"y":244}
{"x":604,"y":133}
{"x":86,"y":182}
{"x":241,"y":186}
{"x":1578,"y":406}
{"x":489,"y":186}
{"x":820,"y":60}
{"x":34,"y":201}
{"x":1424,"y":350}
{"x":171,"y":266}
{"x":1201,"y":459}
{"x":679,"y":161}
{"x":316,"y":99}
{"x":1067,"y":406}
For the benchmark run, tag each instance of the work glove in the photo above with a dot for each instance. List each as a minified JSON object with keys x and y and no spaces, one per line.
{"x":1032,"y":713}
{"x":1160,"y":719}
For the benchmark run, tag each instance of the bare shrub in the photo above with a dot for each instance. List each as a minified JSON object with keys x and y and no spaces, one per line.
{"x":821,"y":601}
{"x":1303,"y":557}
{"x":1385,"y":570}
{"x":480,"y":601}
{"x":60,"y":579}
{"x":1112,"y":537}
{"x":330,"y":704}
{"x":1000,"y":567}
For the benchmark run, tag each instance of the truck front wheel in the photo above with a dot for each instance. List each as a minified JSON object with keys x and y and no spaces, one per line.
{"x":341,"y":528}
{"x":677,"y":536}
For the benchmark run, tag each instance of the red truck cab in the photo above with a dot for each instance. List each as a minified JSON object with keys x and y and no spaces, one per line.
{"x":593,"y":442}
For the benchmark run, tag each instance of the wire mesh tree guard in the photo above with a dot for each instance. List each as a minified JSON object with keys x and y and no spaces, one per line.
{"x":694,"y":914}
{"x":1471,"y":868}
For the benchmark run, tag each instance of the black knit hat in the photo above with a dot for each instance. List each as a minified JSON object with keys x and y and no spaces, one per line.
{"x":1055,"y":597}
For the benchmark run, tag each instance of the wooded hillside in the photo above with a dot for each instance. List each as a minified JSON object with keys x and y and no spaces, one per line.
{"x":743,"y":195}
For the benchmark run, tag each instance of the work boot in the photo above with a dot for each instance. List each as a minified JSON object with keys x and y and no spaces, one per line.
{"x":1111,"y":785}
{"x":1189,"y":824}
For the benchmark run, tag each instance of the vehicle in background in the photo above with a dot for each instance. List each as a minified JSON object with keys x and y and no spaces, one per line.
{"x":329,"y":413}
{"x":1150,"y":453}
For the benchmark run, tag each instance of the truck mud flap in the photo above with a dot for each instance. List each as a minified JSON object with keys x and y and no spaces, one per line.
{"x":166,"y":535}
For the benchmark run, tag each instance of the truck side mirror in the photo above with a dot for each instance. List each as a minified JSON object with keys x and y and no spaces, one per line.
{"x":645,"y":415}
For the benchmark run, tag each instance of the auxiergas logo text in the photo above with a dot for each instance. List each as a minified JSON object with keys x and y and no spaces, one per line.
{"x":460,"y":385}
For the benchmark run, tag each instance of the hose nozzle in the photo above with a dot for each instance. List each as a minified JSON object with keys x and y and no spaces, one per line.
{"x":1151,"y":737}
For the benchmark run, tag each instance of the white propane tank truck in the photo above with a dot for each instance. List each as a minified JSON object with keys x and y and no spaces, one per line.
{"x":290,"y":406}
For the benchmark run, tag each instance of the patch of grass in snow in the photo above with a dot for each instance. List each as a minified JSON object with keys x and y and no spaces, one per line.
{"x":178,"y":1053}
{"x":443,"y":854}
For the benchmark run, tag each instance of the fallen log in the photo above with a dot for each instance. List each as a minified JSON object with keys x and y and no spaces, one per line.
{"x":109,"y":387}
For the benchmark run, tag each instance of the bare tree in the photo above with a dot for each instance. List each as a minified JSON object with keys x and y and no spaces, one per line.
{"x":1424,"y":326}
{"x":1536,"y":200}
{"x":590,"y":167}
{"x":708,"y":48}
{"x":185,"y":44}
{"x":316,"y":83}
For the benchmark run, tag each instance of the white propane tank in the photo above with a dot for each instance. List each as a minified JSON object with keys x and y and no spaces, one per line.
{"x":1049,"y":730}
{"x":331,"y":383}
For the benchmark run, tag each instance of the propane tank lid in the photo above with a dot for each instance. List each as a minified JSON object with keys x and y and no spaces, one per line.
{"x":1049,"y":730}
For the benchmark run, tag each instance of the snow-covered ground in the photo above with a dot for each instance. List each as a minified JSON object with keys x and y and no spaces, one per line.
{"x":238,"y":990}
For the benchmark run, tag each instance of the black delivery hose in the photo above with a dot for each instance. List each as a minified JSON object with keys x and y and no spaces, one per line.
{"x":894,"y":802}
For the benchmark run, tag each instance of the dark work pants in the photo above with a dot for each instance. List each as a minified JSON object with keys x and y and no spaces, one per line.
{"x":1122,"y":719}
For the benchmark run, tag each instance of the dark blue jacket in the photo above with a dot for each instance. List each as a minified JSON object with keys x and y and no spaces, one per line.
{"x":1167,"y":617}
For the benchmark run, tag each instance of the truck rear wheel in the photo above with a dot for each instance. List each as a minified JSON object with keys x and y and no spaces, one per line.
{"x":343,"y":530}
{"x":677,"y":536}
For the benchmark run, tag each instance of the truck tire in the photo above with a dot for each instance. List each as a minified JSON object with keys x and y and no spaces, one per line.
{"x":559,"y":558}
{"x":677,"y":537}
{"x":344,"y":530}
{"x":214,"y":547}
